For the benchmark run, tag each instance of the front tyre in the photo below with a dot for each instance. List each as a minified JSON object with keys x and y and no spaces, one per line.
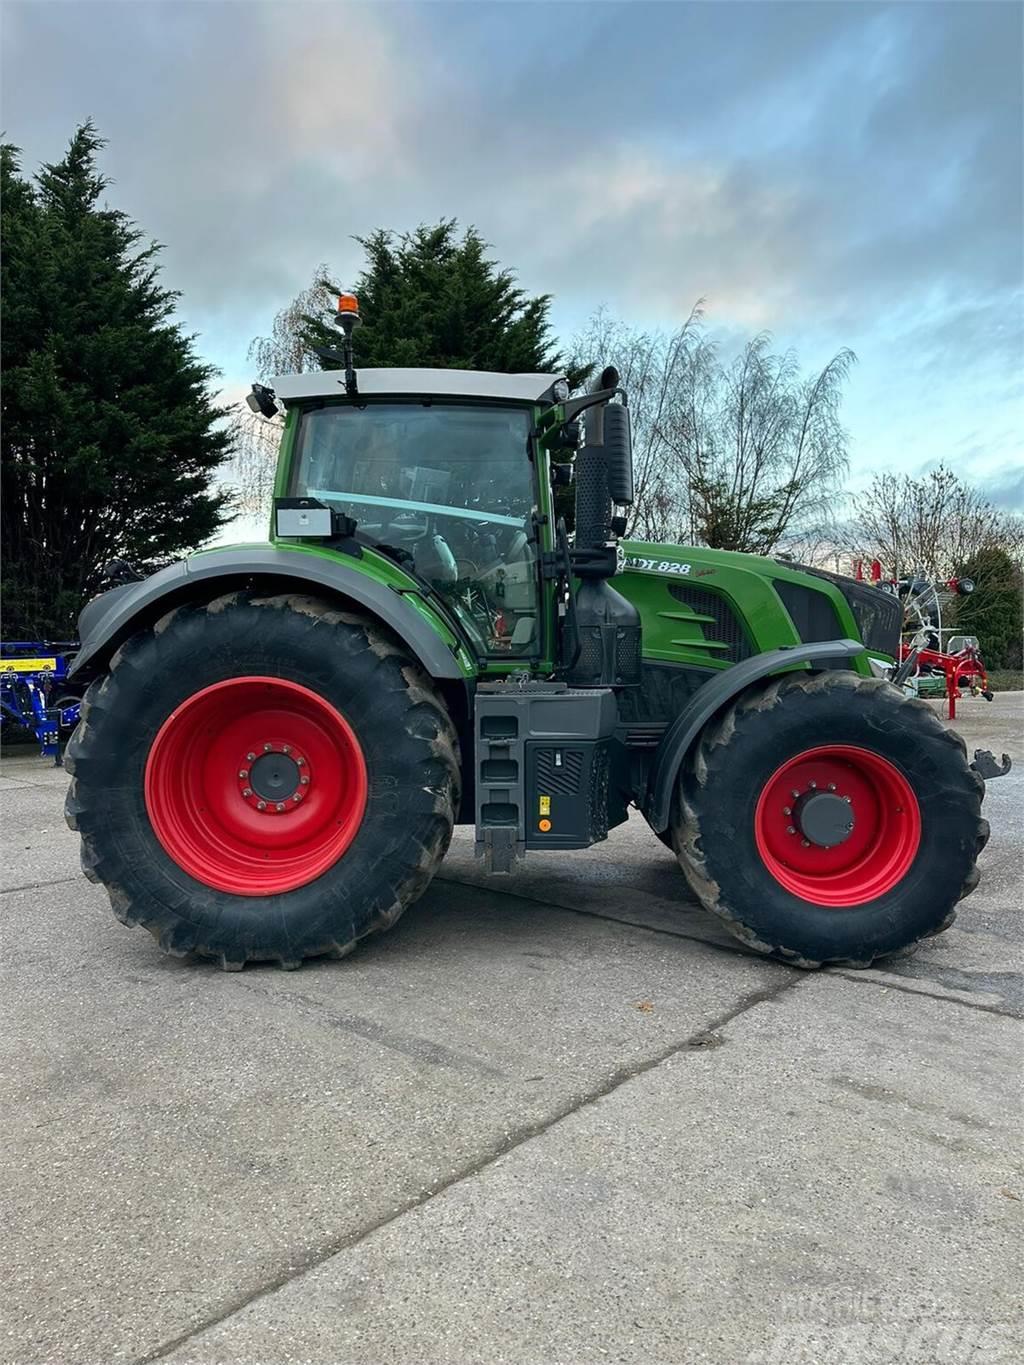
{"x":262,"y":778}
{"x":830,"y":819}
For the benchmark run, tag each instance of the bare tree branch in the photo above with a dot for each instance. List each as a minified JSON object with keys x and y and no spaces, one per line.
{"x":929,"y":526}
{"x":735,"y":456}
{"x":256,"y":440}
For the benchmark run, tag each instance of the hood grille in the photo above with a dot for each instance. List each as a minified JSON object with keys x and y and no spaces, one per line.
{"x":723,"y":627}
{"x":879,"y":615}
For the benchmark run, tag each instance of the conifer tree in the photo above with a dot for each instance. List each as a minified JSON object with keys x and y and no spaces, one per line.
{"x":110,"y":438}
{"x":429,"y":299}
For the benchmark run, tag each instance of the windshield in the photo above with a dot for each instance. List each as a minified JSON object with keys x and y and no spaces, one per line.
{"x":451,"y":488}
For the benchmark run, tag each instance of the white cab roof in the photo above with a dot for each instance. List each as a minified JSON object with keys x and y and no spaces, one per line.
{"x":523,"y":388}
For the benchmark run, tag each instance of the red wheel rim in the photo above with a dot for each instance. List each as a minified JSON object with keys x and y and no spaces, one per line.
{"x":255,"y":785}
{"x":803,"y":797}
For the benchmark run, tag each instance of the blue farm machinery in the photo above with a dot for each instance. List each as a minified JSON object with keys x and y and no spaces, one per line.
{"x":35,"y":698}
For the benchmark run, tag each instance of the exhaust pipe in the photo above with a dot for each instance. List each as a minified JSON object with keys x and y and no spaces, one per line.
{"x":607,"y":626}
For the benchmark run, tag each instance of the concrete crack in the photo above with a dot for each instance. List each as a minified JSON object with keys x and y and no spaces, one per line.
{"x":700,"y":1040}
{"x":890,"y":985}
{"x":737,"y":949}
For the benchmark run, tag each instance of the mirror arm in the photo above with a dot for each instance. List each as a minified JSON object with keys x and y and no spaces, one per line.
{"x":573,"y":406}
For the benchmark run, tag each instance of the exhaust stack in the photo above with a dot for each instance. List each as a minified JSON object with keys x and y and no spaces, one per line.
{"x":607,"y":625}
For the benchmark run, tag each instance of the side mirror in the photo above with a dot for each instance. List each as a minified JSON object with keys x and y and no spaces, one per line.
{"x":618,"y":454}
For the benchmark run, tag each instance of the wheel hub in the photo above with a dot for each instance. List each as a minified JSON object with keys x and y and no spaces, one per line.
{"x":823,"y":818}
{"x":274,"y":778}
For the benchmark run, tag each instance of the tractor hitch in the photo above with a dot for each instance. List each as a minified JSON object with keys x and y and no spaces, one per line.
{"x":985,"y":764}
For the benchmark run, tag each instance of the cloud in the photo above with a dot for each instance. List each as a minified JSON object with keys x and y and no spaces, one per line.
{"x":1005,"y":489}
{"x":843,"y":174}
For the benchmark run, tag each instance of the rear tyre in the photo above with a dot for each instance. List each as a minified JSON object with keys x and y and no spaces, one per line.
{"x":262,"y":779}
{"x":830,"y":819}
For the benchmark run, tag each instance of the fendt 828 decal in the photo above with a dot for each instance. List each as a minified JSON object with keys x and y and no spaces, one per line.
{"x":657,"y":565}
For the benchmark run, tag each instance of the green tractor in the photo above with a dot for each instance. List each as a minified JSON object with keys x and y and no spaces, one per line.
{"x":277,"y":739}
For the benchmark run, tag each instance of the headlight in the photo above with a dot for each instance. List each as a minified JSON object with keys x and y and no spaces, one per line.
{"x":560,"y":390}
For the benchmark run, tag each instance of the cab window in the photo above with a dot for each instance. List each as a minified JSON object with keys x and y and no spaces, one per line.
{"x":451,"y":487}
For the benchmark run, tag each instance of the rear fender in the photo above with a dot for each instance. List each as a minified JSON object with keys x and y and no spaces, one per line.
{"x":713,"y":697}
{"x":111,"y":618}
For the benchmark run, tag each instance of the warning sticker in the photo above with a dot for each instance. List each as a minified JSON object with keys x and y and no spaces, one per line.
{"x":545,"y":805}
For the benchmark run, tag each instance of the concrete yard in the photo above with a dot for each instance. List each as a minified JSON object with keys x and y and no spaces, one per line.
{"x":558,"y":1117}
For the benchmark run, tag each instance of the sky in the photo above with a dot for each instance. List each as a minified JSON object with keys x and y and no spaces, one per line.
{"x":842,"y":174}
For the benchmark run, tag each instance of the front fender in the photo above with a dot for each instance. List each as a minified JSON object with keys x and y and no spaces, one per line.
{"x":711,"y":698}
{"x":112,"y":617}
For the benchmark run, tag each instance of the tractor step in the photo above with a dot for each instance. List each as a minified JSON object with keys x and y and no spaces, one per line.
{"x":543,"y":755}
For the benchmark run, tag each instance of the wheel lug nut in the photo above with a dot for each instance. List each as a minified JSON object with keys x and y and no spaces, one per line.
{"x":812,"y":785}
{"x":280,"y":805}
{"x":261,"y":805}
{"x":250,"y":757}
{"x":304,"y":781}
{"x":790,"y":829}
{"x":787,"y":810}
{"x":846,"y":799}
{"x":247,"y":791}
{"x":243,"y":772}
{"x":296,"y":797}
{"x":301,"y":762}
{"x":794,"y":794}
{"x":267,"y":748}
{"x":286,"y":749}
{"x":831,"y":786}
{"x":804,"y":843}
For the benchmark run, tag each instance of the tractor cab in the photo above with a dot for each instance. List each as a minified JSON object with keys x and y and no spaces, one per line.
{"x":449,"y":473}
{"x":436,"y":470}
